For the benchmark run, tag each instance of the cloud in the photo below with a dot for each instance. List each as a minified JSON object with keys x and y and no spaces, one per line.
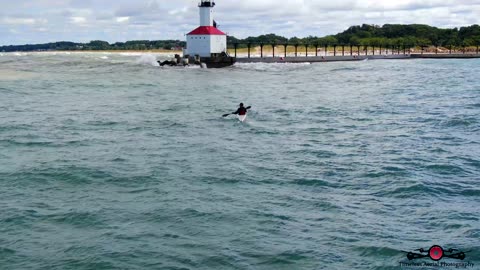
{"x":26,"y":21}
{"x":138,"y":8}
{"x":179,"y":11}
{"x":80,"y":3}
{"x":78,"y":20}
{"x":120,"y":20}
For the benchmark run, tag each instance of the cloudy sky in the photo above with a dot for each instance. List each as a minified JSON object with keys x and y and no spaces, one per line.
{"x":41,"y":21}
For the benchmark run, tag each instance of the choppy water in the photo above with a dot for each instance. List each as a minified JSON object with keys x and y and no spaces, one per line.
{"x":109,"y":162}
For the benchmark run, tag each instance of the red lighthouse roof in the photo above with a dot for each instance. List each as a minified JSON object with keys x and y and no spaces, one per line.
{"x":206,"y":30}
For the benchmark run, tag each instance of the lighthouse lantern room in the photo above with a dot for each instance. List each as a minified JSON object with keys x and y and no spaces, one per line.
{"x":206,"y":40}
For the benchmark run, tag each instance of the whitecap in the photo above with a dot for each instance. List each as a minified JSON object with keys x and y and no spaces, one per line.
{"x":147,"y":59}
{"x":131,"y":54}
{"x":13,"y":75}
{"x":271,"y":66}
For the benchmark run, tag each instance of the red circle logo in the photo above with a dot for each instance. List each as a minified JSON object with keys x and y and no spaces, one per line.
{"x":436,"y":253}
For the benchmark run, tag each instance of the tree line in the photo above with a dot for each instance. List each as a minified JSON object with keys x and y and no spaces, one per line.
{"x":98,"y":45}
{"x":411,"y":35}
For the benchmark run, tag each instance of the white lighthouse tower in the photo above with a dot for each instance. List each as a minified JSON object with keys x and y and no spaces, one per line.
{"x":206,"y":40}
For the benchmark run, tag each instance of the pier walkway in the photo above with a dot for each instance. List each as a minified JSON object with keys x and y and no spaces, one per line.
{"x":319,"y":59}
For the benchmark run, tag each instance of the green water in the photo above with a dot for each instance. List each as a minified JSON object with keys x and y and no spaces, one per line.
{"x":110,"y":162}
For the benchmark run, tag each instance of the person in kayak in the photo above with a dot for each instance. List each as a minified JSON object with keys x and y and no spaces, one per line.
{"x":240,"y":111}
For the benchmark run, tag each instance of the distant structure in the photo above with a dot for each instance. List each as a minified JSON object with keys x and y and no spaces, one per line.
{"x":206,"y":45}
{"x":206,"y":40}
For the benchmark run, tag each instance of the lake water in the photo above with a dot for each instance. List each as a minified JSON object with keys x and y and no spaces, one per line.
{"x":110,"y":162}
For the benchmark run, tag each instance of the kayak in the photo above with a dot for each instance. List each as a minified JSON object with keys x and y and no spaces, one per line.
{"x":242,"y":118}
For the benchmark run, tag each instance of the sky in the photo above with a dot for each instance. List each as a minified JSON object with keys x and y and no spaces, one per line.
{"x":42,"y":21}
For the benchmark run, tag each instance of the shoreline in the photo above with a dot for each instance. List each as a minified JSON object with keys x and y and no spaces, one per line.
{"x":139,"y":52}
{"x":255,"y":56}
{"x":267,"y":51}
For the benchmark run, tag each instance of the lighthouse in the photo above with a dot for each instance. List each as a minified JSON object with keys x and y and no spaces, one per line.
{"x":206,"y":40}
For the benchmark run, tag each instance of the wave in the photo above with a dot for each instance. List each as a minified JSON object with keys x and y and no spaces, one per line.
{"x":28,"y":143}
{"x":104,"y":123}
{"x":148,"y":59}
{"x":14,"y":75}
{"x":388,"y":171}
{"x":475,"y":163}
{"x":293,"y":259}
{"x":74,"y":175}
{"x":344,"y":69}
{"x":313,"y":183}
{"x":131,"y":54}
{"x":77,"y":219}
{"x":434,"y":189}
{"x":9,"y":61}
{"x":271,"y":67}
{"x":318,"y":154}
{"x":376,"y":251}
{"x":470,"y":192}
{"x":459,"y":122}
{"x":6,"y":251}
{"x":446,"y":169}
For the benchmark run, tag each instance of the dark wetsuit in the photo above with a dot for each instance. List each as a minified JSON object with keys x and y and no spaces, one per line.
{"x":241,"y":111}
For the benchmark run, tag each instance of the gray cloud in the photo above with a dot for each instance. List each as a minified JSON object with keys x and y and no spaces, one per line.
{"x":37,"y":21}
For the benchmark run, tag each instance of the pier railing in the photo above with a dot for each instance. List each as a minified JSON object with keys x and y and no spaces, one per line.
{"x":305,"y":50}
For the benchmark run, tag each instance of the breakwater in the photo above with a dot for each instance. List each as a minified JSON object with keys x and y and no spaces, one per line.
{"x":315,"y":59}
{"x":337,"y":53}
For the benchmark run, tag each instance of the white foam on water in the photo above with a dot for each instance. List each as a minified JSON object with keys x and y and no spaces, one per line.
{"x":271,"y":66}
{"x":104,"y":57}
{"x":131,"y":54}
{"x":148,"y":59}
{"x":13,"y":75}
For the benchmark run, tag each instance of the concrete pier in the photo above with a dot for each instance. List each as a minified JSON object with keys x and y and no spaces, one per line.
{"x":346,"y":52}
{"x":446,"y":56}
{"x":314,"y":59}
{"x":319,"y":59}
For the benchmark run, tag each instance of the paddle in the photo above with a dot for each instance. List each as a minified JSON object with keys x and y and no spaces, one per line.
{"x":225,"y":115}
